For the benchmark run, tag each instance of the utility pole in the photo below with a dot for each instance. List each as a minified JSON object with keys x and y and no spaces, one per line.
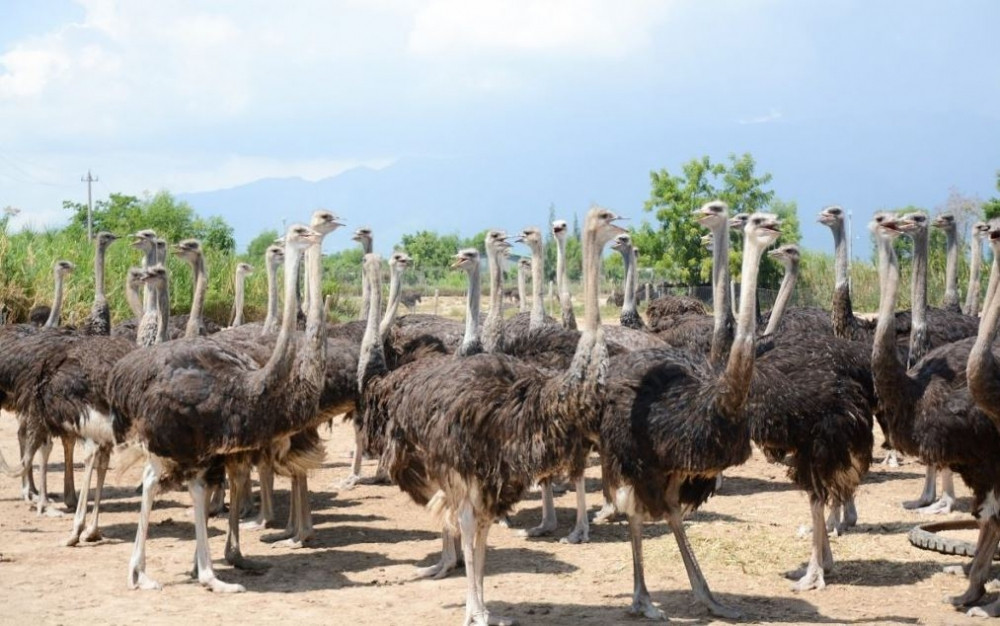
{"x":90,"y":206}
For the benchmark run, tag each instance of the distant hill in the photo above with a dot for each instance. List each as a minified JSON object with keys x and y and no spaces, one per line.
{"x":461,"y":196}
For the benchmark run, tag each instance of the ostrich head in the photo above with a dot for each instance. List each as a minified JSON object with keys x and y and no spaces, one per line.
{"x":363,"y":235}
{"x":885,"y":225}
{"x":325,"y":222}
{"x":188,"y":249}
{"x":914,"y":224}
{"x":946,"y":222}
{"x":787,"y":254}
{"x":399,"y":261}
{"x":993,"y":235}
{"x":980,"y":230}
{"x":708,"y":240}
{"x":712,"y":214}
{"x":559,"y":229}
{"x":832,"y":216}
{"x":105,"y":239}
{"x":602,"y":222}
{"x":244,"y":269}
{"x":524,"y":264}
{"x":496,"y":240}
{"x":161,"y":250}
{"x":274,"y":256}
{"x":134,"y":278}
{"x":763,"y":229}
{"x":63,"y":268}
{"x":739,"y":221}
{"x":622,"y":243}
{"x":466,"y":260}
{"x":155,"y":276}
{"x":144,"y":240}
{"x":300,"y":237}
{"x":530,"y":236}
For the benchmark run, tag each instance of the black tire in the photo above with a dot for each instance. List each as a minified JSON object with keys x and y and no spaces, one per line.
{"x":926,"y":537}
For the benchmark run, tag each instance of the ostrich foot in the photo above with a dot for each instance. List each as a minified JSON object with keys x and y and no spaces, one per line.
{"x":967,"y":598}
{"x":92,"y":534}
{"x":288,"y":533}
{"x":71,"y":502}
{"x":579,"y":535}
{"x":809,"y":580}
{"x":957,"y":570}
{"x":607,"y":514}
{"x":542,"y":530}
{"x":256,"y":524}
{"x":438,"y":571}
{"x":139,"y":580}
{"x":644,"y":607}
{"x":989,"y":610}
{"x":49,"y":511}
{"x":72,"y":540}
{"x":917,"y":504}
{"x":218,"y":586}
{"x":241,"y":562}
{"x":891,"y":459}
{"x":721,"y":610}
{"x":350,"y":482}
{"x":500,"y":620}
{"x":295,"y":543}
{"x":504,"y":521}
{"x":942,"y":506}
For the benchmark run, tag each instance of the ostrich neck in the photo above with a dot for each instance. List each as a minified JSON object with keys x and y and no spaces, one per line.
{"x":842,"y":312}
{"x":628,"y":298}
{"x":565,"y":299}
{"x":148,"y":261}
{"x":493,"y":339}
{"x":784,"y":296}
{"x":975,"y":263}
{"x":951,"y":273}
{"x":590,"y":361}
{"x":57,"y":300}
{"x":366,"y":248}
{"x":99,"y":294}
{"x":271,"y":321}
{"x":889,"y":375}
{"x":919,"y":343}
{"x":723,"y":328}
{"x":278,"y":367}
{"x":148,"y":331}
{"x":395,"y":293}
{"x":471,"y":343}
{"x":311,"y":359}
{"x":161,"y":306}
{"x":522,"y":291}
{"x":193,"y":328}
{"x":134,"y":300}
{"x":983,"y":373}
{"x":371,"y":358}
{"x":238,"y":300}
{"x":739,"y":366}
{"x":537,"y":318}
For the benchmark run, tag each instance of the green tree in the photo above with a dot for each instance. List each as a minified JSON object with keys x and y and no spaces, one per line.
{"x":432,"y":253}
{"x":991,"y":208}
{"x":259,"y":244}
{"x":215,"y":233}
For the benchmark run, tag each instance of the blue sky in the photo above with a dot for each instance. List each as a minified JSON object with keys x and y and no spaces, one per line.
{"x":865,"y":104}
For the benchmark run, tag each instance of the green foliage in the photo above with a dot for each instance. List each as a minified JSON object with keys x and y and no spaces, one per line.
{"x":991,"y":208}
{"x":673,"y":245}
{"x":258,"y":245}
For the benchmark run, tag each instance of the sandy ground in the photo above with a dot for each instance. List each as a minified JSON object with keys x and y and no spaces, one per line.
{"x":358,"y":569}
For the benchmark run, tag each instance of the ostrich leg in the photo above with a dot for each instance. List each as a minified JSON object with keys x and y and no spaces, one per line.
{"x":137,"y":578}
{"x":448,"y":562}
{"x":548,"y":513}
{"x":300,"y":528}
{"x":265,"y":516}
{"x":642,"y":604}
{"x":293,"y":513}
{"x":580,"y":532}
{"x":946,"y":502}
{"x":98,"y":456}
{"x":92,"y":533}
{"x":203,"y":558}
{"x":821,"y":559}
{"x":929,"y":494}
{"x":989,"y":534}
{"x":45,"y":449}
{"x":69,"y":487}
{"x":239,"y":473}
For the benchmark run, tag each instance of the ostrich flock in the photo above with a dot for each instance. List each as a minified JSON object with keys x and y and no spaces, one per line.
{"x":667,"y":402}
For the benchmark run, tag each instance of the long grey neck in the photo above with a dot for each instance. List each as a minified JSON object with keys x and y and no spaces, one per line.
{"x":134,"y":300}
{"x":238,"y":300}
{"x":56,"y":312}
{"x":366,"y":248}
{"x":739,"y":366}
{"x":371,"y":358}
{"x":842,"y":312}
{"x":271,"y":321}
{"x":950,"y":301}
{"x":493,"y":332}
{"x":194,"y":323}
{"x":148,"y":331}
{"x":982,"y":369}
{"x":395,"y":293}
{"x":919,"y":342}
{"x":162,"y":306}
{"x":628,"y":300}
{"x":99,"y":293}
{"x":522,"y":291}
{"x":889,"y":375}
{"x":722,"y":332}
{"x":471,"y":343}
{"x":148,"y":261}
{"x":278,"y":367}
{"x":784,"y":297}
{"x":313,"y":356}
{"x":565,"y":299}
{"x":590,"y":359}
{"x":975,"y":265}
{"x":537,"y":319}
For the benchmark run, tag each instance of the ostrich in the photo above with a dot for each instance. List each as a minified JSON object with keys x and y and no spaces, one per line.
{"x":274,"y":256}
{"x":133,"y":290}
{"x":242,"y":271}
{"x":559,"y":230}
{"x":523,"y":267}
{"x":673,"y":420}
{"x":538,"y":421}
{"x":931,"y":410}
{"x":630,"y":316}
{"x":193,"y":404}
{"x":946,"y":222}
{"x":979,"y":232}
{"x":845,"y":323}
{"x":99,"y":320}
{"x":528,"y":321}
{"x":788,"y":256}
{"x":363,"y":236}
{"x":61,"y":269}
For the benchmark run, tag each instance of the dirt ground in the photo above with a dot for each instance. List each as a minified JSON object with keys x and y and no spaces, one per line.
{"x":358,"y":569}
